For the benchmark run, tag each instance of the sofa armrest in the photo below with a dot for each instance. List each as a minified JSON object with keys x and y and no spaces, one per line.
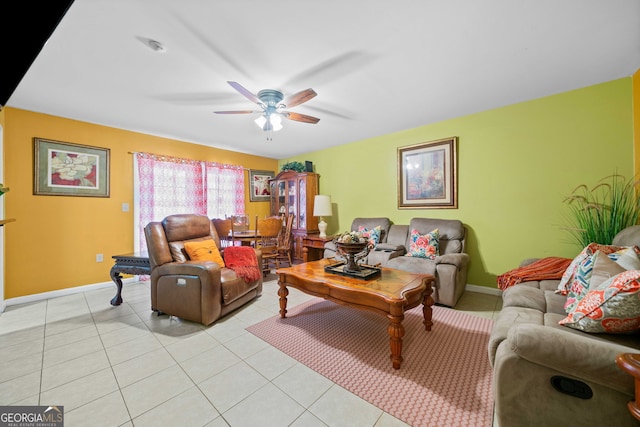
{"x":208,"y":271}
{"x":460,"y":260}
{"x":577,"y":355}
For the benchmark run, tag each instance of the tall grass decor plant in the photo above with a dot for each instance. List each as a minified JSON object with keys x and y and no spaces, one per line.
{"x":596,"y":215}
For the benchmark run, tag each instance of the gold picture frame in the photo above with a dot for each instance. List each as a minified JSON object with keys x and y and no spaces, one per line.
{"x":427,"y":175}
{"x":67,"y":169}
{"x":260,"y":191}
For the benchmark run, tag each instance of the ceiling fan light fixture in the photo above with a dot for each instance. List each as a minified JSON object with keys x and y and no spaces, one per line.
{"x":273,"y":104}
{"x":269,"y":122}
{"x":276,"y":122}
{"x":260,"y":121}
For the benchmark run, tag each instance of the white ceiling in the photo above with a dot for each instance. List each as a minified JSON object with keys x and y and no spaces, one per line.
{"x":377,"y":66}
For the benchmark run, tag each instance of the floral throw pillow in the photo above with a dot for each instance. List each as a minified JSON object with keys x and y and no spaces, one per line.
{"x":424,"y":245}
{"x":568,"y":277}
{"x":623,"y":259}
{"x":372,"y":235}
{"x":612,"y":307}
{"x":591,"y":272}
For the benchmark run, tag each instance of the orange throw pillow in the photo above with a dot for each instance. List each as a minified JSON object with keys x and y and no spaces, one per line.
{"x":204,"y":250}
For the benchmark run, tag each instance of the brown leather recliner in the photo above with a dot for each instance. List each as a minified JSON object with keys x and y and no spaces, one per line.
{"x":199,"y":291}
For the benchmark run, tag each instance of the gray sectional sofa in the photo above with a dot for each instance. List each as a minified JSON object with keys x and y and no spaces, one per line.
{"x":449,"y":268}
{"x":545,"y":374}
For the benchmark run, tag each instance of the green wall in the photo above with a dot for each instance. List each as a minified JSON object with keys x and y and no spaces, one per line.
{"x":515,"y":166}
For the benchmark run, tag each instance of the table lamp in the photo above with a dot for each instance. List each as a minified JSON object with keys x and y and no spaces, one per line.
{"x":322,"y":208}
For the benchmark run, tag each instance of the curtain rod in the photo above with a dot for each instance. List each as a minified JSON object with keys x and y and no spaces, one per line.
{"x":135,"y":152}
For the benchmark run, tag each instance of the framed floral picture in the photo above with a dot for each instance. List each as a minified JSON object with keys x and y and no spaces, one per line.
{"x":66,"y":169}
{"x":260,"y":190}
{"x":427,"y":175}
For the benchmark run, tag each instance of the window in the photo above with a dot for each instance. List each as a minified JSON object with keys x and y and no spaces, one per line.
{"x":166,"y":185}
{"x":225,"y":190}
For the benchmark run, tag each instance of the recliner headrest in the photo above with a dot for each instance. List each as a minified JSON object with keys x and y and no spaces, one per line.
{"x":186,"y":226}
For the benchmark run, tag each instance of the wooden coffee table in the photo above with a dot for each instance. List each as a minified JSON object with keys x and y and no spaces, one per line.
{"x":389,"y":294}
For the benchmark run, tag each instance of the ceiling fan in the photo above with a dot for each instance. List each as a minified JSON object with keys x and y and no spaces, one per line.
{"x":272,"y":105}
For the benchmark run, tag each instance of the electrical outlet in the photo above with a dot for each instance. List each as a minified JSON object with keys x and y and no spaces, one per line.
{"x":99,"y":258}
{"x":125,"y":207}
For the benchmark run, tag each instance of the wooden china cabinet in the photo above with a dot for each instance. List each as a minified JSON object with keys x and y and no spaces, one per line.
{"x":294,"y":193}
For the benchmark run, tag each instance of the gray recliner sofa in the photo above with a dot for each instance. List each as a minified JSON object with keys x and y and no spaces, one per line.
{"x":545,"y":374}
{"x":449,"y":268}
{"x":368,"y":223}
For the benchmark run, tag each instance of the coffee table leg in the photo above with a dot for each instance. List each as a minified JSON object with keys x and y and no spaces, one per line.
{"x":396,"y":332}
{"x":427,"y":310}
{"x":282,"y":293}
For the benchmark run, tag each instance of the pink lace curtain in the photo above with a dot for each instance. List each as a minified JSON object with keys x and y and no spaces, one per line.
{"x":225,"y":190}
{"x":171,"y":185}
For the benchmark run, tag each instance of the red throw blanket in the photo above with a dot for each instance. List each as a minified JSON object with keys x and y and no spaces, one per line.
{"x":243,"y":260}
{"x":543,"y":269}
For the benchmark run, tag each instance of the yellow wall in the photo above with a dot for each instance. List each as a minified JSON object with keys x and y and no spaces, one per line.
{"x":516,"y":165}
{"x":55,"y":239}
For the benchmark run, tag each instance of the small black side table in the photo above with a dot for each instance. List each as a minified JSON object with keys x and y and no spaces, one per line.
{"x":134,"y":263}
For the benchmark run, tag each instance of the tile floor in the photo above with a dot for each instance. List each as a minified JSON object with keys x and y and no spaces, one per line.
{"x":126,"y":366}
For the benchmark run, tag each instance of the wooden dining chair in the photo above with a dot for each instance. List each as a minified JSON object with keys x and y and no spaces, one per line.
{"x":266,"y":239}
{"x":240,"y":223}
{"x":224,"y":228}
{"x":284,"y":243}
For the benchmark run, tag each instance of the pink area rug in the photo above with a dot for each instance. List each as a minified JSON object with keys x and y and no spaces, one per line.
{"x":445,"y":377}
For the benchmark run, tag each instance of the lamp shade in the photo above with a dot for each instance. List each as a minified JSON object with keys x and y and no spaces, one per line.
{"x":322,"y":205}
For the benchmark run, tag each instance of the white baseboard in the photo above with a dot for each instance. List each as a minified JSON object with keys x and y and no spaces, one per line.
{"x":483,"y":290}
{"x":64,"y":292}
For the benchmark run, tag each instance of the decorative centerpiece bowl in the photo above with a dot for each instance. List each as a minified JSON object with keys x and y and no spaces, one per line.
{"x":353,"y":247}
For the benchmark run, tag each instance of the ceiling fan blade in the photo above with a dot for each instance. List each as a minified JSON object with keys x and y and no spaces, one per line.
{"x":301,"y":117}
{"x":299,"y":98}
{"x":251,"y":97}
{"x":197,"y":98}
{"x":208,"y":43}
{"x":332,"y":111}
{"x":331,"y":69}
{"x":237,"y":112}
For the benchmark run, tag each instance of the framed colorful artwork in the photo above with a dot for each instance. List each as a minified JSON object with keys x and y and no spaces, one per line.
{"x":427,"y":175}
{"x":66,"y":169}
{"x":260,"y":190}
